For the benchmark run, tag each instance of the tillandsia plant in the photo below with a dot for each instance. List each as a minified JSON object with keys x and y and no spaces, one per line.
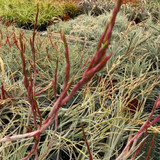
{"x":97,"y":62}
{"x":116,"y":124}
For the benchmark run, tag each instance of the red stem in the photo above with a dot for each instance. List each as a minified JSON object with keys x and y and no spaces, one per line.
{"x":55,"y":81}
{"x":3,"y":92}
{"x":143,"y":128}
{"x":67,"y":70}
{"x":85,"y":138}
{"x":150,"y":148}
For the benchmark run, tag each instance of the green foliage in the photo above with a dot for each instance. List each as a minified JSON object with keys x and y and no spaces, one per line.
{"x":107,"y":122}
{"x":71,"y":8}
{"x":23,"y":12}
{"x":90,"y":28}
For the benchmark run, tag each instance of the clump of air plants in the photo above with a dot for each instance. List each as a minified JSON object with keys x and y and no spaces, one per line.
{"x":96,"y":64}
{"x":106,"y":117}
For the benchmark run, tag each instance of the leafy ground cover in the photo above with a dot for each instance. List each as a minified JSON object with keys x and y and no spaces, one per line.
{"x":109,"y":111}
{"x":22,"y":13}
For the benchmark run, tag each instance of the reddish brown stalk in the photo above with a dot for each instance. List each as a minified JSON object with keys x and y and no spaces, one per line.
{"x":37,"y":41}
{"x":39,"y":113}
{"x":45,"y":88}
{"x":30,"y":79}
{"x":82,"y":47}
{"x":8,"y":95}
{"x":7,"y":41}
{"x":33,"y":67}
{"x":105,"y":38}
{"x":3,"y":92}
{"x":55,"y":81}
{"x":142,"y":129}
{"x":67,"y":70}
{"x":35,"y":25}
{"x":141,"y":146}
{"x":22,"y":50}
{"x":150,"y":148}
{"x":32,"y":102}
{"x":100,"y":54}
{"x":32,"y":151}
{"x":85,"y":63}
{"x":50,"y":38}
{"x":16,"y":41}
{"x":34,"y":64}
{"x":112,"y":22}
{"x":85,"y":139}
{"x":31,"y":89}
{"x":51,"y":141}
{"x":33,"y":49}
{"x":101,"y":40}
{"x":31,"y":93}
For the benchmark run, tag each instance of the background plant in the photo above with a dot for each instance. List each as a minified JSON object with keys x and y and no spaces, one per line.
{"x":89,"y":27}
{"x":23,"y":12}
{"x":95,"y":65}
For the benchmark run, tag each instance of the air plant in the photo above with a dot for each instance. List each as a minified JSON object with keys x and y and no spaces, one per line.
{"x":97,"y":62}
{"x":70,"y":88}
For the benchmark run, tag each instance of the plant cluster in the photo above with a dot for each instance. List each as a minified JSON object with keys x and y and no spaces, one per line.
{"x":46,"y":109}
{"x":90,"y":28}
{"x":23,"y":12}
